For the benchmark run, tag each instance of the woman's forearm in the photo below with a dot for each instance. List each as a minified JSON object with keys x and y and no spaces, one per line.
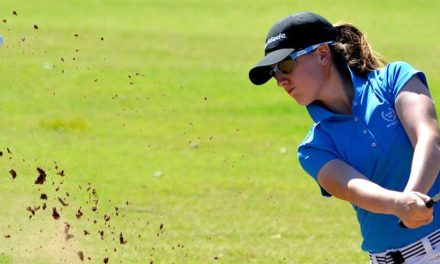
{"x":344,"y":182}
{"x":416,"y":111}
{"x":408,"y":206}
{"x":372,"y":197}
{"x":425,"y":165}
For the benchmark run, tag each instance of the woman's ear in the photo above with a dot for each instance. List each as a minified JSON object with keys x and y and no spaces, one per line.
{"x":324,"y":54}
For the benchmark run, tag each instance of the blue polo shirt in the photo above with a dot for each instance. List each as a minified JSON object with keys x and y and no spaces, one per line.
{"x":373,"y":141}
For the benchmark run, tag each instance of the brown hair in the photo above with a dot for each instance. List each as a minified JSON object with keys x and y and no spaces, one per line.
{"x":352,"y":48}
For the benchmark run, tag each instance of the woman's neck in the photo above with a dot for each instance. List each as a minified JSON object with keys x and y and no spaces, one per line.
{"x":339,"y":93}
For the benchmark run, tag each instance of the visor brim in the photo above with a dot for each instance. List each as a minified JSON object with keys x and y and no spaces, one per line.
{"x":260,"y":73}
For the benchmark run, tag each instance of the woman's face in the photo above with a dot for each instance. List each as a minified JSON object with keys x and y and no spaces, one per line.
{"x":306,"y":80}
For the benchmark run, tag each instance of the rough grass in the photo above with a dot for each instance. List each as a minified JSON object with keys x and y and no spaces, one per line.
{"x":148,"y":103}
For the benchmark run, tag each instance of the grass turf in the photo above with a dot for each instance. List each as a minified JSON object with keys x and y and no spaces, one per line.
{"x":148,"y":103}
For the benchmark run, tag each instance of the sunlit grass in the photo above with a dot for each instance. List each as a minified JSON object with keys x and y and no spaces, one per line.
{"x":148,"y":103}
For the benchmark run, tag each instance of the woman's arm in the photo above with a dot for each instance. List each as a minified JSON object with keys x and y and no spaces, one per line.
{"x":416,"y":112}
{"x":344,"y":182}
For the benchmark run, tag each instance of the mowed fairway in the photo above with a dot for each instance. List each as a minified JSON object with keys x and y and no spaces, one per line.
{"x":169,"y":154}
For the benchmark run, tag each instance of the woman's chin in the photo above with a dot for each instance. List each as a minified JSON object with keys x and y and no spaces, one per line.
{"x":301,"y":101}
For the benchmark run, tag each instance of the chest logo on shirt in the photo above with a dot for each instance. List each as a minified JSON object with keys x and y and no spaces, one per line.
{"x":390,"y":116}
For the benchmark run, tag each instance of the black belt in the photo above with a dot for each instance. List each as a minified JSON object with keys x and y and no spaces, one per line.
{"x":399,"y":256}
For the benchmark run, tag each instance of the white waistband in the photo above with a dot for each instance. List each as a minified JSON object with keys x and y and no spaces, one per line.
{"x":416,"y":249}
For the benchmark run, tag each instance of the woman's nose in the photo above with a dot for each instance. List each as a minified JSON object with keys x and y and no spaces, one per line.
{"x":281,"y":81}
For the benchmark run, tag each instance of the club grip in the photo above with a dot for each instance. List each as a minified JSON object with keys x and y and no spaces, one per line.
{"x":401,"y":224}
{"x":428,"y":204}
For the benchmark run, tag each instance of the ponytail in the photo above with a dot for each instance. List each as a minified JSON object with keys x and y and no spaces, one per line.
{"x":352,"y":48}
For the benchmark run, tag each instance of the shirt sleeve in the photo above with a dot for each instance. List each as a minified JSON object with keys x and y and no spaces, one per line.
{"x":398,"y":74}
{"x":313,"y":156}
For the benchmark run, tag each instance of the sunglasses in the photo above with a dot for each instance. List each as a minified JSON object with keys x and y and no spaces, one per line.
{"x":286,"y":66}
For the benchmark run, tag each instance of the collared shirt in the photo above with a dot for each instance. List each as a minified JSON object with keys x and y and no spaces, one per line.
{"x":373,"y":141}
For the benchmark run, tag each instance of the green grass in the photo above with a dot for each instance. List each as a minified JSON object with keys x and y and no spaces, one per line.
{"x":166,"y":90}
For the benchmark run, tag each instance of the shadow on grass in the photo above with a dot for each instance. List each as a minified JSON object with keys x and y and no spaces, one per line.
{"x":65,"y":125}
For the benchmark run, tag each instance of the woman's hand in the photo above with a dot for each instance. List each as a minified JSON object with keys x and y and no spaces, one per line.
{"x":411,"y":209}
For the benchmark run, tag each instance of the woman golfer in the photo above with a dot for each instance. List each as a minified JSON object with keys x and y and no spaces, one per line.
{"x":375,"y":141}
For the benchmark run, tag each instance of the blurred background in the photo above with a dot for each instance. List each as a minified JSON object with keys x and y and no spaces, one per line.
{"x":155,"y":146}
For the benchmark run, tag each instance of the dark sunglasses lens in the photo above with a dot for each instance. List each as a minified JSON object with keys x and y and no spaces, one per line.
{"x":286,"y":66}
